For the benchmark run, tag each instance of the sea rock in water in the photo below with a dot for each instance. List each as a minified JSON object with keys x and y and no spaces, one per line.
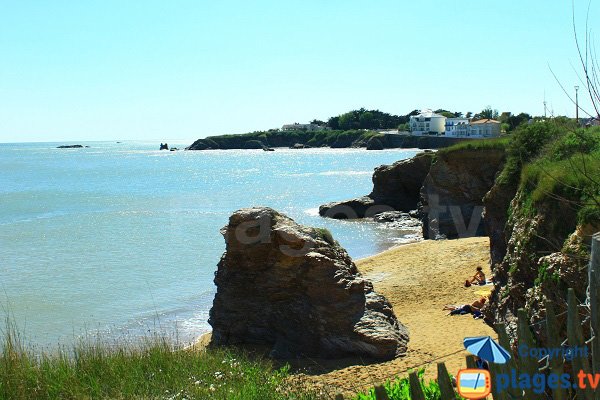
{"x":398,"y":219}
{"x":299,"y":146}
{"x":164,"y":146}
{"x":395,"y":187}
{"x":71,"y":146}
{"x":296,"y":289}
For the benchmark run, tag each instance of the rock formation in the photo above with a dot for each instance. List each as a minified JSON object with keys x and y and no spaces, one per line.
{"x":395,"y":187}
{"x":545,"y":252}
{"x":164,"y":146}
{"x":71,"y":146}
{"x":452,"y":194}
{"x":374,"y":144}
{"x":295,"y":289}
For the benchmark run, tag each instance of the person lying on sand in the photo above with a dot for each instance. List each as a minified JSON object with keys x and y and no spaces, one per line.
{"x":478,"y":278}
{"x":473,"y":308}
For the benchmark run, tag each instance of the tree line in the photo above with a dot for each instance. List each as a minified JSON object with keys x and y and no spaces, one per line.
{"x":376,"y":119}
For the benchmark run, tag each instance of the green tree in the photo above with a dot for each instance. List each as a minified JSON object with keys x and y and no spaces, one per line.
{"x":367,"y":120}
{"x":334,"y":123}
{"x":346,"y":121}
{"x":514,"y":121}
{"x":487,"y":113}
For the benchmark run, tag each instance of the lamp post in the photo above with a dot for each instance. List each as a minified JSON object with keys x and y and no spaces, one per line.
{"x":576,"y":104}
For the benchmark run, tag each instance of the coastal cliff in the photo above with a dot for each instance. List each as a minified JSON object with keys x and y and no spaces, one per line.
{"x":535,"y":194}
{"x":357,"y":138}
{"x":452,"y":193}
{"x":296,"y":290}
{"x":447,"y":188}
{"x":395,"y":188}
{"x":541,"y":214}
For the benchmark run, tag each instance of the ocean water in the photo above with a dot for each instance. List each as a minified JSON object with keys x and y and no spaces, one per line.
{"x":122,"y":239}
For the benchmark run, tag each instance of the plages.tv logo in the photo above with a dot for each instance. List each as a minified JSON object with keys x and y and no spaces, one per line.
{"x":476,"y":383}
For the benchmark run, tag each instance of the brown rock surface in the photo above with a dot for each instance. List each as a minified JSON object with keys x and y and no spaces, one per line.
{"x":295,"y":289}
{"x":452,"y":194}
{"x":395,"y":188}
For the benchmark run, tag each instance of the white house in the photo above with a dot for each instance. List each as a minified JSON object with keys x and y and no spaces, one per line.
{"x":457,"y":127}
{"x":302,"y":127}
{"x":484,"y":128}
{"x":426,"y":123}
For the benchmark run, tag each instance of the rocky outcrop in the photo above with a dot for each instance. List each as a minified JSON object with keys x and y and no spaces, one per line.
{"x":71,"y":146}
{"x":374,"y":144}
{"x":496,"y":204}
{"x":295,"y":289}
{"x":452,"y":194}
{"x":546,"y":253}
{"x":164,"y":146}
{"x":395,"y":188}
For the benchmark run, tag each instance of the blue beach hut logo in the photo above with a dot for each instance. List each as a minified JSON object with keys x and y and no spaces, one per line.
{"x":474,"y":383}
{"x":477,"y":383}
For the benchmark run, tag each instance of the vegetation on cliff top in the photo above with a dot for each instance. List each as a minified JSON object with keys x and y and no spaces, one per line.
{"x":277,"y":138}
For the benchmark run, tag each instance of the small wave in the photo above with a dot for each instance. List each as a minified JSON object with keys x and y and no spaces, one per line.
{"x":313,"y":212}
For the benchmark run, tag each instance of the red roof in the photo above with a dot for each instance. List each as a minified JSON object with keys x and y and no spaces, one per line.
{"x":485,"y":121}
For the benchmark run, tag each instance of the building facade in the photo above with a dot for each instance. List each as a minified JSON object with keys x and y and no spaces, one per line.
{"x":484,"y":128}
{"x":456,"y":127}
{"x":427,"y":123}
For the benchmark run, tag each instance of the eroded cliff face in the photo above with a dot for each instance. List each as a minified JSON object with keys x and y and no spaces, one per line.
{"x":453,"y":191}
{"x":395,"y":188}
{"x":545,"y":253}
{"x":294,"y":288}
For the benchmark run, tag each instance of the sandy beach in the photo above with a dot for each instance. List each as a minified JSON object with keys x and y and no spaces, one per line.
{"x":418,"y":279}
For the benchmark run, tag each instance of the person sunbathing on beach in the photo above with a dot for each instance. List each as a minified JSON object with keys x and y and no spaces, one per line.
{"x":478,"y":278}
{"x":473,"y":308}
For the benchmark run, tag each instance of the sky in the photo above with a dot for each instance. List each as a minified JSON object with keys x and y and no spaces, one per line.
{"x":151,"y":70}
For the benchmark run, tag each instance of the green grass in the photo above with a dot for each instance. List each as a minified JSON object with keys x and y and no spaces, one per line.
{"x":150,"y":369}
{"x":500,"y":143}
{"x":573,"y":181}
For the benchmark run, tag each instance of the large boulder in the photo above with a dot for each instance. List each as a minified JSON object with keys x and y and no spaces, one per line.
{"x":396,"y":187}
{"x":452,"y":194}
{"x":296,"y":290}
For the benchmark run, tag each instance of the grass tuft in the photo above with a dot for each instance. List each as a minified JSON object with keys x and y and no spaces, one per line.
{"x":151,"y":369}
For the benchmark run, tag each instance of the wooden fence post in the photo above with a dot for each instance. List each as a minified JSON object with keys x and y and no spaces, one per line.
{"x":556,"y":363}
{"x":511,"y":365}
{"x":575,"y":337}
{"x":380,"y":393}
{"x":594,"y":282}
{"x":443,"y":379}
{"x":416,"y":392}
{"x":527,"y":365}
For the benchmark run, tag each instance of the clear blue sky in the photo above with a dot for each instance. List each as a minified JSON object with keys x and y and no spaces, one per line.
{"x":105,"y":70}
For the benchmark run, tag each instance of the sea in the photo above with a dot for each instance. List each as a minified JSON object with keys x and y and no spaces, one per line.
{"x":119,"y":239}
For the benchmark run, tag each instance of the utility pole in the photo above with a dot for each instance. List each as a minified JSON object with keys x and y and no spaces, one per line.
{"x":576,"y":104}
